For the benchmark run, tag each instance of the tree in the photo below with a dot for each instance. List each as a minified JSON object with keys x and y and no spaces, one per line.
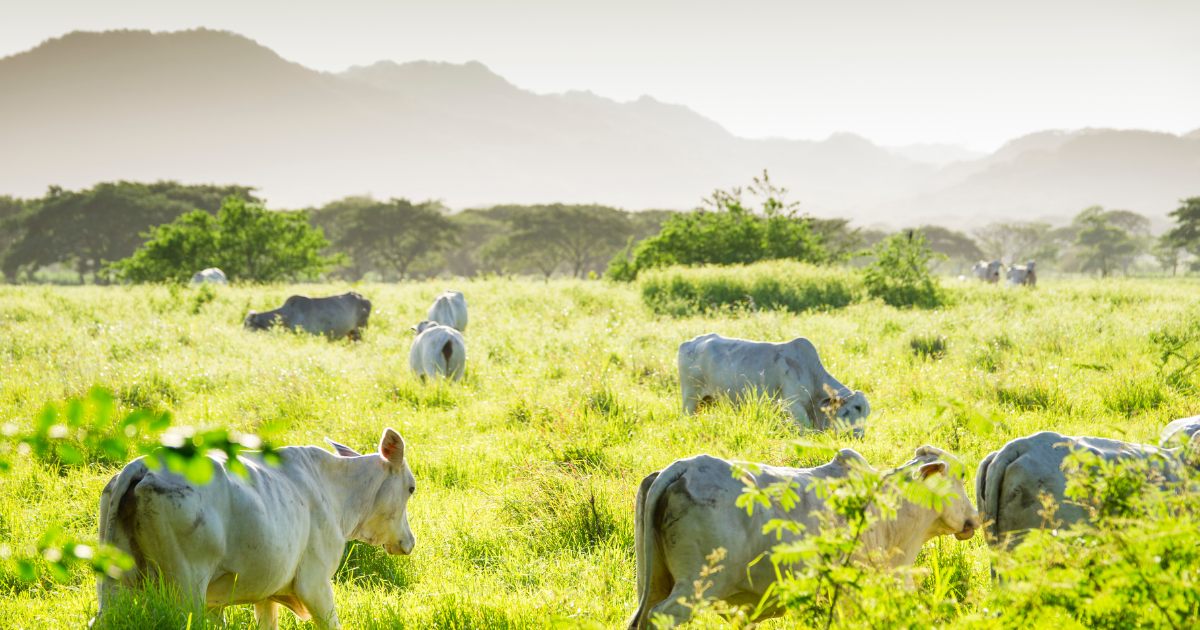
{"x":545,"y":237}
{"x":950,"y":244}
{"x":100,"y":224}
{"x":334,"y":219}
{"x":900,"y":274}
{"x":245,"y":240}
{"x":729,"y":231}
{"x":1186,"y":233}
{"x":398,"y":233}
{"x":1168,"y":253}
{"x":1104,"y":245}
{"x":1014,"y":243}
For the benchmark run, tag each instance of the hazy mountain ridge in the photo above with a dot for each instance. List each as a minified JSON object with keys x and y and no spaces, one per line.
{"x":214,"y":106}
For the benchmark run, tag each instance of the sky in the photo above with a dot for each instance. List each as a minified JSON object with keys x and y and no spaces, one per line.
{"x":969,"y":73}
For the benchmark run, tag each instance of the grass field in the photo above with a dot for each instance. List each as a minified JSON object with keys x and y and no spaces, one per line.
{"x":527,"y":469}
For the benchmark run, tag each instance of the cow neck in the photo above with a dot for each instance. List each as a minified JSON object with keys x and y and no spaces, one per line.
{"x":905,"y":533}
{"x":356,"y":482}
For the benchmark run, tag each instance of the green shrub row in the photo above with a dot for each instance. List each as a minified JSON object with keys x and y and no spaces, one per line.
{"x":773,"y":285}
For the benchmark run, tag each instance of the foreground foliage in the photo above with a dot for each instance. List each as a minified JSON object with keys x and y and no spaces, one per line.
{"x":529,"y":466}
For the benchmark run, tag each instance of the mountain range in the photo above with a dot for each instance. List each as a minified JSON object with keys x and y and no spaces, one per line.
{"x":213,"y":106}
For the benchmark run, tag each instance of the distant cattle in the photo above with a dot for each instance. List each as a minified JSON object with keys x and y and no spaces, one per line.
{"x":987,"y":271}
{"x":1179,"y":432}
{"x":449,"y":309}
{"x":712,"y":366}
{"x":1010,"y":480}
{"x":212,"y":275}
{"x":1023,"y":274}
{"x":689,"y":509}
{"x":335,"y":316}
{"x":438,"y":352}
{"x":275,"y":537}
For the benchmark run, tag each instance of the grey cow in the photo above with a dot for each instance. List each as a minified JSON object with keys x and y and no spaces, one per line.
{"x":335,"y":316}
{"x":1009,"y":481}
{"x":711,"y":366}
{"x":987,"y":271}
{"x":1023,"y":274}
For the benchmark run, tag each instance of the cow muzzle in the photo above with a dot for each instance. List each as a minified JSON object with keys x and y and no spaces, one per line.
{"x":967,"y":532}
{"x":402,"y":548}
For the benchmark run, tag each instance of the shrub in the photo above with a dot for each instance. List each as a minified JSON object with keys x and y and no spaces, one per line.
{"x":245,"y":240}
{"x":777,"y":285}
{"x":900,"y":274}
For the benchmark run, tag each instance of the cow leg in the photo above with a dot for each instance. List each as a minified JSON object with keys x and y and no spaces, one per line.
{"x":672,"y":607}
{"x":317,"y":596}
{"x":266,"y":613}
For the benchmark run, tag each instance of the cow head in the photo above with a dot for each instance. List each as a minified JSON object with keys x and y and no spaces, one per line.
{"x":423,"y":326}
{"x":846,"y":412}
{"x":386,"y":523}
{"x":957,"y":516}
{"x":254,"y":321}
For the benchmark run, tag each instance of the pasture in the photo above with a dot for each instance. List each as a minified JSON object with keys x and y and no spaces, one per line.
{"x":527,"y":469}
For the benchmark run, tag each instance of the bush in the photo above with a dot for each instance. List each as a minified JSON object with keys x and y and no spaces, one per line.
{"x":900,"y":274}
{"x":245,"y":240}
{"x":776,"y":285}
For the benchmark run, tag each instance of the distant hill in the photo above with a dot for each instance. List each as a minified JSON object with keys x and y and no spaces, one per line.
{"x":212,"y":106}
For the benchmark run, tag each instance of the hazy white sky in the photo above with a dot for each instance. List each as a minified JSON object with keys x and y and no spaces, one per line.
{"x":898,"y":72}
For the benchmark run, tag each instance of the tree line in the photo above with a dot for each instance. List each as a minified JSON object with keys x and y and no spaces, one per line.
{"x":166,"y":231}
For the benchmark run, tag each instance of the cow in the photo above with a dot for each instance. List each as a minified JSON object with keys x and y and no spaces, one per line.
{"x":335,"y":316}
{"x":212,"y":275}
{"x":688,"y":509}
{"x":711,"y":366}
{"x":273,"y":538}
{"x":1009,"y":481}
{"x":438,"y":351}
{"x":987,"y":271}
{"x":1023,"y":274}
{"x":1179,"y":432}
{"x":449,"y":309}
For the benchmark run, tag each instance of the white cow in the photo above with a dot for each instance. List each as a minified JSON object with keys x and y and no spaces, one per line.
{"x":1023,"y":274}
{"x":449,"y":309}
{"x":688,"y":509}
{"x":274,"y":538}
{"x":438,"y":351}
{"x":987,"y":271}
{"x":1179,"y":432}
{"x":711,"y":366}
{"x":212,"y":275}
{"x":1010,"y":480}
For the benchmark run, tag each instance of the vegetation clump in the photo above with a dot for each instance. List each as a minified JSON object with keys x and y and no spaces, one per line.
{"x":774,"y":286}
{"x":900,"y":274}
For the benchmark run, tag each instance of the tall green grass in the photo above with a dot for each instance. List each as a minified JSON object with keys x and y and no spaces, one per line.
{"x":527,"y":469}
{"x":775,"y":285}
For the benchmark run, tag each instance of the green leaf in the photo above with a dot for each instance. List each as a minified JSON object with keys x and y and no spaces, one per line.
{"x":69,"y":453}
{"x":26,"y":571}
{"x":49,"y":537}
{"x":162,"y":422}
{"x":199,"y":470}
{"x":74,"y":413}
{"x":47,"y":418}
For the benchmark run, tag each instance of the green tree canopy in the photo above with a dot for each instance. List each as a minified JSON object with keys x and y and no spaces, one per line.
{"x":1014,"y":243}
{"x":1186,"y":233}
{"x":730,"y":231}
{"x":950,"y":244}
{"x":245,"y":240}
{"x":543,"y":237}
{"x":397,"y":233}
{"x":900,"y":274}
{"x":1103,"y":241}
{"x":99,"y":224}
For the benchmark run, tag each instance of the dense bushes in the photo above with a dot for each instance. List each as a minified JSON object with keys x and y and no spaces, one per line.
{"x":774,"y":285}
{"x":900,"y":274}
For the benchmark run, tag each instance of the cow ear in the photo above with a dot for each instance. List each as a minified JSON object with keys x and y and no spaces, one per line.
{"x":341,"y":449}
{"x":825,"y":404}
{"x":391,"y":447}
{"x":932,"y":468}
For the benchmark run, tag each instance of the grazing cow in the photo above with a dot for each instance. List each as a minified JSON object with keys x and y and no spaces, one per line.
{"x":273,"y":538}
{"x":1023,"y":274}
{"x":1010,"y":480}
{"x":335,"y":316}
{"x":987,"y":271}
{"x":212,"y":275}
{"x":438,"y":351}
{"x":449,"y":309}
{"x":688,"y":509}
{"x":1179,"y":432}
{"x":712,"y":365}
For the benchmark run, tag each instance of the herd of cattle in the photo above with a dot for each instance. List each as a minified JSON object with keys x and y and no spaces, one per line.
{"x":276,"y":538}
{"x":1017,"y":274}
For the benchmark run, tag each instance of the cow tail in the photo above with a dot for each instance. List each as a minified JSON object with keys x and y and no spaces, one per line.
{"x":990,"y":479}
{"x":447,"y":352}
{"x":645,"y":547}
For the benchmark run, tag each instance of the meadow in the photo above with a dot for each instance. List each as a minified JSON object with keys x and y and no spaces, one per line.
{"x":527,"y":469}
